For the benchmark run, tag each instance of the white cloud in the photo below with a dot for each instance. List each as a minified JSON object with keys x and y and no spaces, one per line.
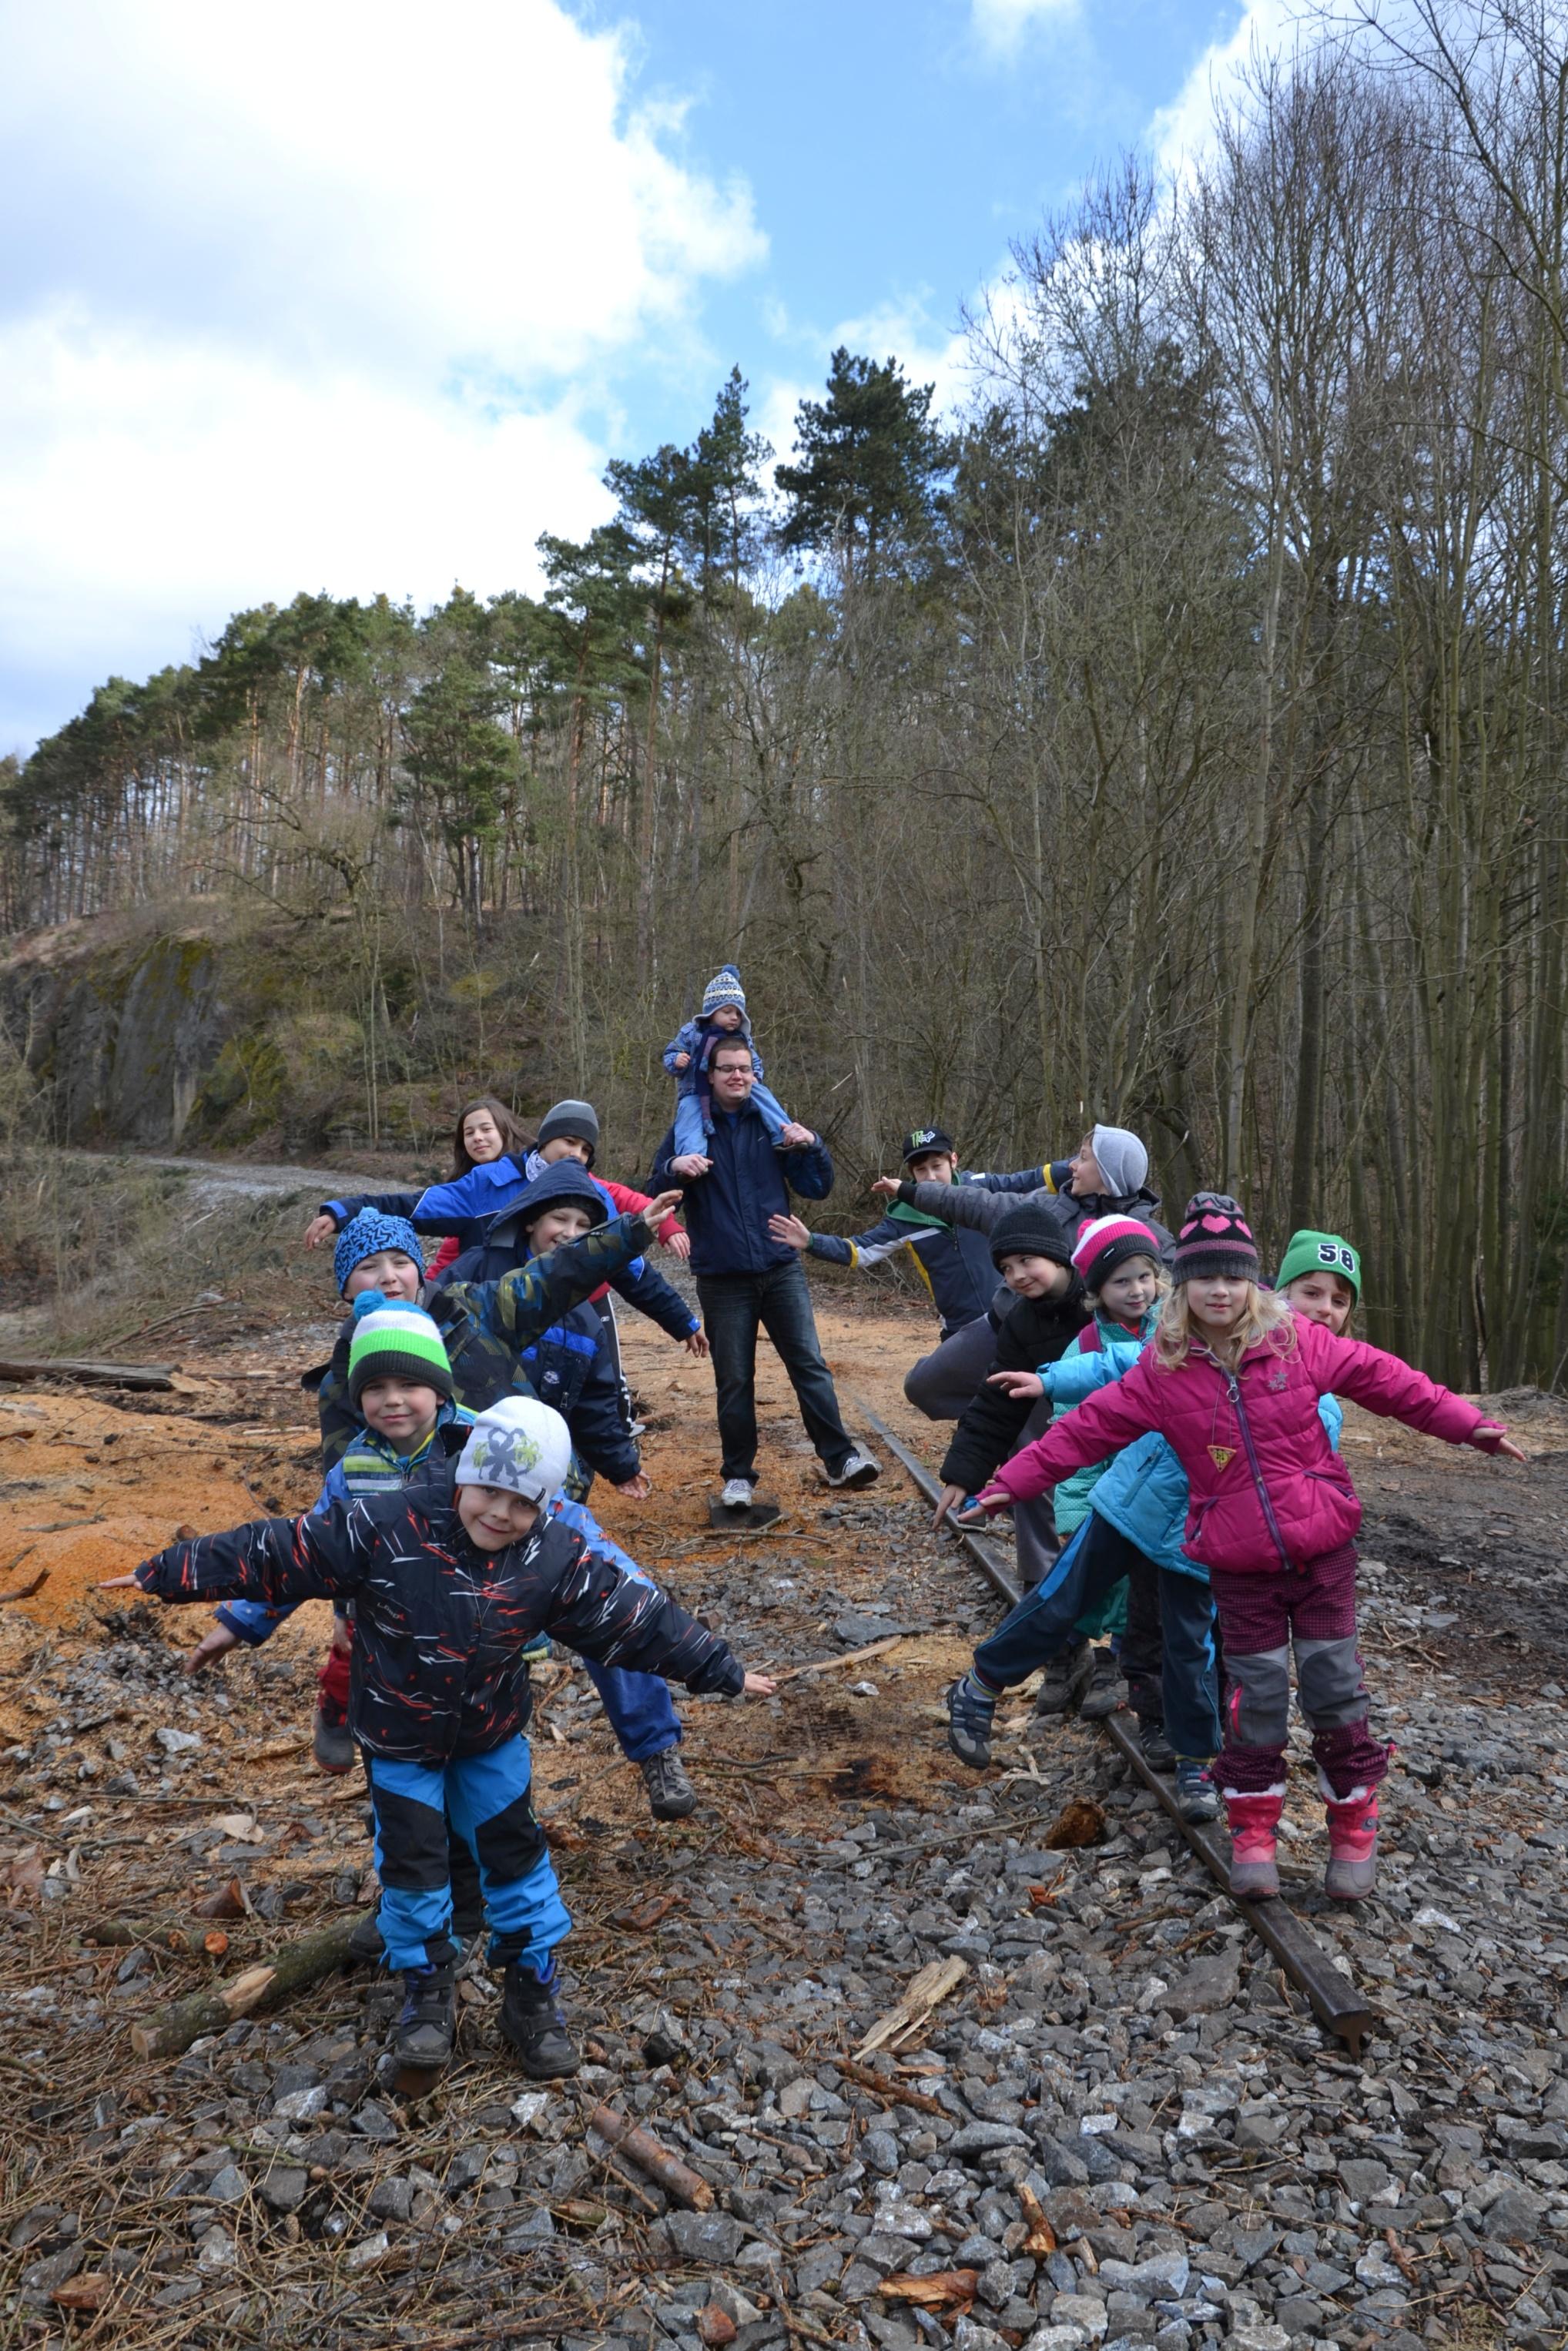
{"x":332,"y":298}
{"x":999,"y":25}
{"x":1180,"y":132}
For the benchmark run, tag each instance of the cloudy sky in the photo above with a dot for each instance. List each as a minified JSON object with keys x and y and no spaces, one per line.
{"x":354,"y":297}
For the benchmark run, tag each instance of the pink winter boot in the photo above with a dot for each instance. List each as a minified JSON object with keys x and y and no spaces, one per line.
{"x":1253,"y":1821}
{"x":1351,"y":1872}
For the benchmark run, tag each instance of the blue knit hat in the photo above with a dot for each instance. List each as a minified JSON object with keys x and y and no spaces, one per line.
{"x":365,"y":1235}
{"x":723,"y":989}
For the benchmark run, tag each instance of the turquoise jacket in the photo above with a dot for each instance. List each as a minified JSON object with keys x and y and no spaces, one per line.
{"x":1074,"y":1375}
{"x":1142,"y":1491}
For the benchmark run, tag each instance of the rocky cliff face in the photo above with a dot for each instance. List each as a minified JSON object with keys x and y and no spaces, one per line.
{"x":122,"y":1036}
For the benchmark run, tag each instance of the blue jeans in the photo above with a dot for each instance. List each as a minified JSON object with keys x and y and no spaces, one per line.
{"x":692,"y":1134}
{"x":637,"y":1706}
{"x":1082,"y":1578}
{"x":734,"y":1305}
{"x":487,"y":1798}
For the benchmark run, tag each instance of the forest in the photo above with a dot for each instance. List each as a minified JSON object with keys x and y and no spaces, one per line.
{"x":1175,"y":736}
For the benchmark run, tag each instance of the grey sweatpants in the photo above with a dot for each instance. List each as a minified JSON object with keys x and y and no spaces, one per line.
{"x":942,"y":1382}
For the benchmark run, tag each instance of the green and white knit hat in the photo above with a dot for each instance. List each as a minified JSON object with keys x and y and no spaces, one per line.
{"x":393,"y":1340}
{"x":1309,"y":1252}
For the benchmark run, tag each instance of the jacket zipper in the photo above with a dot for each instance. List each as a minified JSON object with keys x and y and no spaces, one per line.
{"x":1234,"y":1384}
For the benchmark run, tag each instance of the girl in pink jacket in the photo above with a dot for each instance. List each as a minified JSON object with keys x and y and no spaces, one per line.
{"x":1233,"y":1382}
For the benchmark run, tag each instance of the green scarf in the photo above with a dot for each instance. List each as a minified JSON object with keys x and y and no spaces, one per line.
{"x":901,"y":1213}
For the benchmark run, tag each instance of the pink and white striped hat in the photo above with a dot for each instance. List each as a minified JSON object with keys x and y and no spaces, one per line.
{"x":1108,"y":1242}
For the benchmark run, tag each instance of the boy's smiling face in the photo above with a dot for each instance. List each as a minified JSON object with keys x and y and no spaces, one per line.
{"x":494,"y":1516}
{"x":391,"y":1272}
{"x":567,"y":1222}
{"x":399,"y":1410}
{"x":1035,"y":1277}
{"x":566,"y":1146}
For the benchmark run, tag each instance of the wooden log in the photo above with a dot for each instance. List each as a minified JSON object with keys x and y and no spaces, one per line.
{"x":188,"y":1936}
{"x":641,"y":2147}
{"x":92,"y":1374}
{"x":171,"y":2030}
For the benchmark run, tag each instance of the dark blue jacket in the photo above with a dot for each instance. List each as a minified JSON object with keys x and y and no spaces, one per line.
{"x":726,"y":1210}
{"x":442,"y":1630}
{"x":953,"y":1261}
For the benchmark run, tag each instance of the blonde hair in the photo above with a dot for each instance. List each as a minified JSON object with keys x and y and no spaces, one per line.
{"x":1266,"y":1320}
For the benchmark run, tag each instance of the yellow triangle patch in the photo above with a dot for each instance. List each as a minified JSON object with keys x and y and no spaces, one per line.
{"x":1221,"y":1454}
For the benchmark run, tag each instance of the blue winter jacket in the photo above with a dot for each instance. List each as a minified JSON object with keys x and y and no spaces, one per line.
{"x":478,"y":1210}
{"x":954,"y":1262}
{"x":726,"y":1210}
{"x":1144,"y":1492}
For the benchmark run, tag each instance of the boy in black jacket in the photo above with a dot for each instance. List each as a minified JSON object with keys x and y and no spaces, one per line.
{"x":451,"y":1581}
{"x":1034,"y":1258}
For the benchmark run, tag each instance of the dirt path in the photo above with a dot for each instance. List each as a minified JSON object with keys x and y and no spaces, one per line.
{"x":1117,"y":2042}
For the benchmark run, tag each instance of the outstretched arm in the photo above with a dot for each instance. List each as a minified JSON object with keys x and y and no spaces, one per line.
{"x":1104,"y":1424}
{"x":273,"y":1560}
{"x":1384,"y":1384}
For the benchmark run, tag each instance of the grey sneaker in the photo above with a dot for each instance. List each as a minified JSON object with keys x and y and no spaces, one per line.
{"x":1066,"y":1678}
{"x":857,"y":1470}
{"x":331,"y":1742}
{"x":1105,"y":1693}
{"x":737,"y":1494}
{"x":670,"y":1795}
{"x":1158,"y":1752}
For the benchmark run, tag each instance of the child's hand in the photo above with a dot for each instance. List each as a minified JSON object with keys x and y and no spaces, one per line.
{"x":696,"y":1344}
{"x":320,"y":1231}
{"x":679,"y":1244}
{"x":212,"y":1644}
{"x":887,"y":1186}
{"x":793,"y":1231}
{"x":691,"y":1164}
{"x":1505,"y":1445}
{"x":342,"y":1637}
{"x":995,"y":1498}
{"x":760,"y":1686}
{"x":660,"y":1209}
{"x":795,"y":1136}
{"x":951,"y":1497}
{"x":637,"y":1489}
{"x":683,"y":1060}
{"x":1018,"y":1385}
{"x":118,"y":1583}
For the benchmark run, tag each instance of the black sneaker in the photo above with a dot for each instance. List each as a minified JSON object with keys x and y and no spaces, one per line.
{"x":855,"y":1470}
{"x":532,"y":2022}
{"x":1066,"y":1678}
{"x":1158,"y":1752}
{"x":1105,"y":1693}
{"x":426,"y":2029}
{"x":670,"y":1795}
{"x":969,"y":1716}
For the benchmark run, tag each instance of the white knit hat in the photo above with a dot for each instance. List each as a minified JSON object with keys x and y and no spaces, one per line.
{"x":519,"y":1443}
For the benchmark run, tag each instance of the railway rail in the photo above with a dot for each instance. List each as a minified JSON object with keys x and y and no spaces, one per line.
{"x":1334,"y":2000}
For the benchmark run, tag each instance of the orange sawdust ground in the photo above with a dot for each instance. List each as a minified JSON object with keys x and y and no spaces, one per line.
{"x":103,"y":1479}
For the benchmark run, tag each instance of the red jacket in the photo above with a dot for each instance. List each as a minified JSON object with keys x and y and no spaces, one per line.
{"x":1268,"y":1489}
